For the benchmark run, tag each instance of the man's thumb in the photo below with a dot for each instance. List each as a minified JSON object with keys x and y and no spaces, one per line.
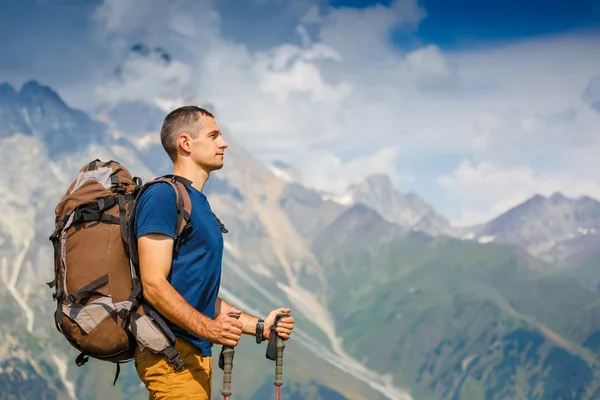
{"x":234,"y":310}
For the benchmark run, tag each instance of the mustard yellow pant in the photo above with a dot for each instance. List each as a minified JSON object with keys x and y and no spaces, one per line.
{"x":192,"y":381}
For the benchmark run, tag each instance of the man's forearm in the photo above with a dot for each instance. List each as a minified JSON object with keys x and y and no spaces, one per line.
{"x":174,"y":307}
{"x":248,"y":320}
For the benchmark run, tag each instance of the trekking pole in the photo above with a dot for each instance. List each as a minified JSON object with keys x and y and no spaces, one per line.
{"x":279,"y":360}
{"x":227,"y":360}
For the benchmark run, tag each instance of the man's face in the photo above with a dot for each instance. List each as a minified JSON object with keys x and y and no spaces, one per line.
{"x":207,"y":150}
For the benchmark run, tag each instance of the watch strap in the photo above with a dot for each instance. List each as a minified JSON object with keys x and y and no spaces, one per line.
{"x":260,"y":330}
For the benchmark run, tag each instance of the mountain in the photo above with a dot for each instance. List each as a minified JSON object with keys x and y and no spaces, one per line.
{"x":311,"y":210}
{"x":586,"y":271}
{"x":377,"y":191}
{"x":37,"y":111}
{"x":555,"y":228}
{"x":454,"y":319}
{"x":18,"y":359}
{"x":308,"y":212}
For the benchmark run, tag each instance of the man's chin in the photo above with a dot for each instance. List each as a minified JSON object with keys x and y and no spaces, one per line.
{"x":214,"y":166}
{"x":217,"y":166}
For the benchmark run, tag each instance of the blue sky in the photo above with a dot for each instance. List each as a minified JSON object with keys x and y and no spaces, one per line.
{"x":463,"y":22}
{"x":451,"y":25}
{"x":474,"y":105}
{"x":472,"y":22}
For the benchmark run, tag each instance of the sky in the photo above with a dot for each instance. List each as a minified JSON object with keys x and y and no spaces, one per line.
{"x":476,"y":106}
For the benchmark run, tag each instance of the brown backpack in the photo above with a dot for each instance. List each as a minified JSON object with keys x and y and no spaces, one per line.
{"x":100,"y":308}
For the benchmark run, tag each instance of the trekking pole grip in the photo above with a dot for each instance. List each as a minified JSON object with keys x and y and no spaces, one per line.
{"x":279,"y":357}
{"x":227,"y":354}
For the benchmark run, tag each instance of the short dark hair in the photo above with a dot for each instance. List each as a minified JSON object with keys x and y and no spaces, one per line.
{"x":186,"y":118}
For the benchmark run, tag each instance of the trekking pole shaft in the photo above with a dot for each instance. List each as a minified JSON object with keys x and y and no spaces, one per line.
{"x":228,"y":352}
{"x":279,"y":358}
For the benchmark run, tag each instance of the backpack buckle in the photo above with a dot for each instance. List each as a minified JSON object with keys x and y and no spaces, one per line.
{"x":187,"y":228}
{"x":59,"y":226}
{"x":55,"y":233}
{"x":177,"y":362}
{"x":174,"y":357}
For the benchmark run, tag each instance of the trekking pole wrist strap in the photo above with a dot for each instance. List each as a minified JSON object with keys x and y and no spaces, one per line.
{"x":271,"y":353}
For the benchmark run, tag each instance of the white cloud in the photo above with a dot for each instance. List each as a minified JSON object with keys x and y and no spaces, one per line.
{"x":291,"y":69}
{"x":330,"y":174}
{"x":157,"y":19}
{"x":514,"y":136}
{"x":363,"y":35}
{"x":148,"y":78}
{"x":344,"y":89}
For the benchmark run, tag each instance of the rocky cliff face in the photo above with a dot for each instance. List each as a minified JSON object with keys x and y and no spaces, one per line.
{"x":409,"y":210}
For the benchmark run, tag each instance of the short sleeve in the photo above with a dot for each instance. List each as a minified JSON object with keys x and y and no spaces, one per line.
{"x":156,"y":211}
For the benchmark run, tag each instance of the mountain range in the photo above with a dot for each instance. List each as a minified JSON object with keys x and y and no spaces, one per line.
{"x":391,"y":300}
{"x":555,"y":228}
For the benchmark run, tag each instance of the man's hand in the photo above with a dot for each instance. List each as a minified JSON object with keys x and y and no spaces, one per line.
{"x":284,"y":327}
{"x":225,"y":330}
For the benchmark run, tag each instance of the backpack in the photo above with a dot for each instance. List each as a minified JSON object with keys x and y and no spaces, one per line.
{"x":100,"y":309}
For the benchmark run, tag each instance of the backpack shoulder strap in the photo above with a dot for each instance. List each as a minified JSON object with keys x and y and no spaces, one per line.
{"x":183,"y":224}
{"x":182,"y":202}
{"x":178,"y":183}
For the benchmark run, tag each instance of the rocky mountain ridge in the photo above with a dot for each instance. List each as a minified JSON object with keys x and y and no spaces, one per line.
{"x":555,"y":228}
{"x":410,"y":210}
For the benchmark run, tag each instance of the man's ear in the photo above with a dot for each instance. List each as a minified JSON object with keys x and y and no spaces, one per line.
{"x":185,"y":142}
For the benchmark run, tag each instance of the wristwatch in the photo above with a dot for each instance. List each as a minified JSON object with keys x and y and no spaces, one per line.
{"x":260,"y":330}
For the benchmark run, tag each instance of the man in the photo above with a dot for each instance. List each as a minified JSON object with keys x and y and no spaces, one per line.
{"x":185,"y":290}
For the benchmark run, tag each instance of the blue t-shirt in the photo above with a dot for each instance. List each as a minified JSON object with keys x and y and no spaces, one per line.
{"x":196,"y":271}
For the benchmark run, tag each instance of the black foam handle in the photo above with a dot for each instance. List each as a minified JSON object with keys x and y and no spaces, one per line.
{"x":227,"y":359}
{"x":279,"y":356}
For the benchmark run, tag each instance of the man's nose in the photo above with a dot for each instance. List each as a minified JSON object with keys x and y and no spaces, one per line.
{"x":223,"y":144}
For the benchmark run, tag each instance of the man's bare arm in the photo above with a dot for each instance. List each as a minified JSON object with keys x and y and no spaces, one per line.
{"x":248,"y":320}
{"x":284,"y":327}
{"x":155,"y":252}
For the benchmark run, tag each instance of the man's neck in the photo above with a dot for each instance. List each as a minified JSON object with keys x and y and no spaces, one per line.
{"x":197,"y":175}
